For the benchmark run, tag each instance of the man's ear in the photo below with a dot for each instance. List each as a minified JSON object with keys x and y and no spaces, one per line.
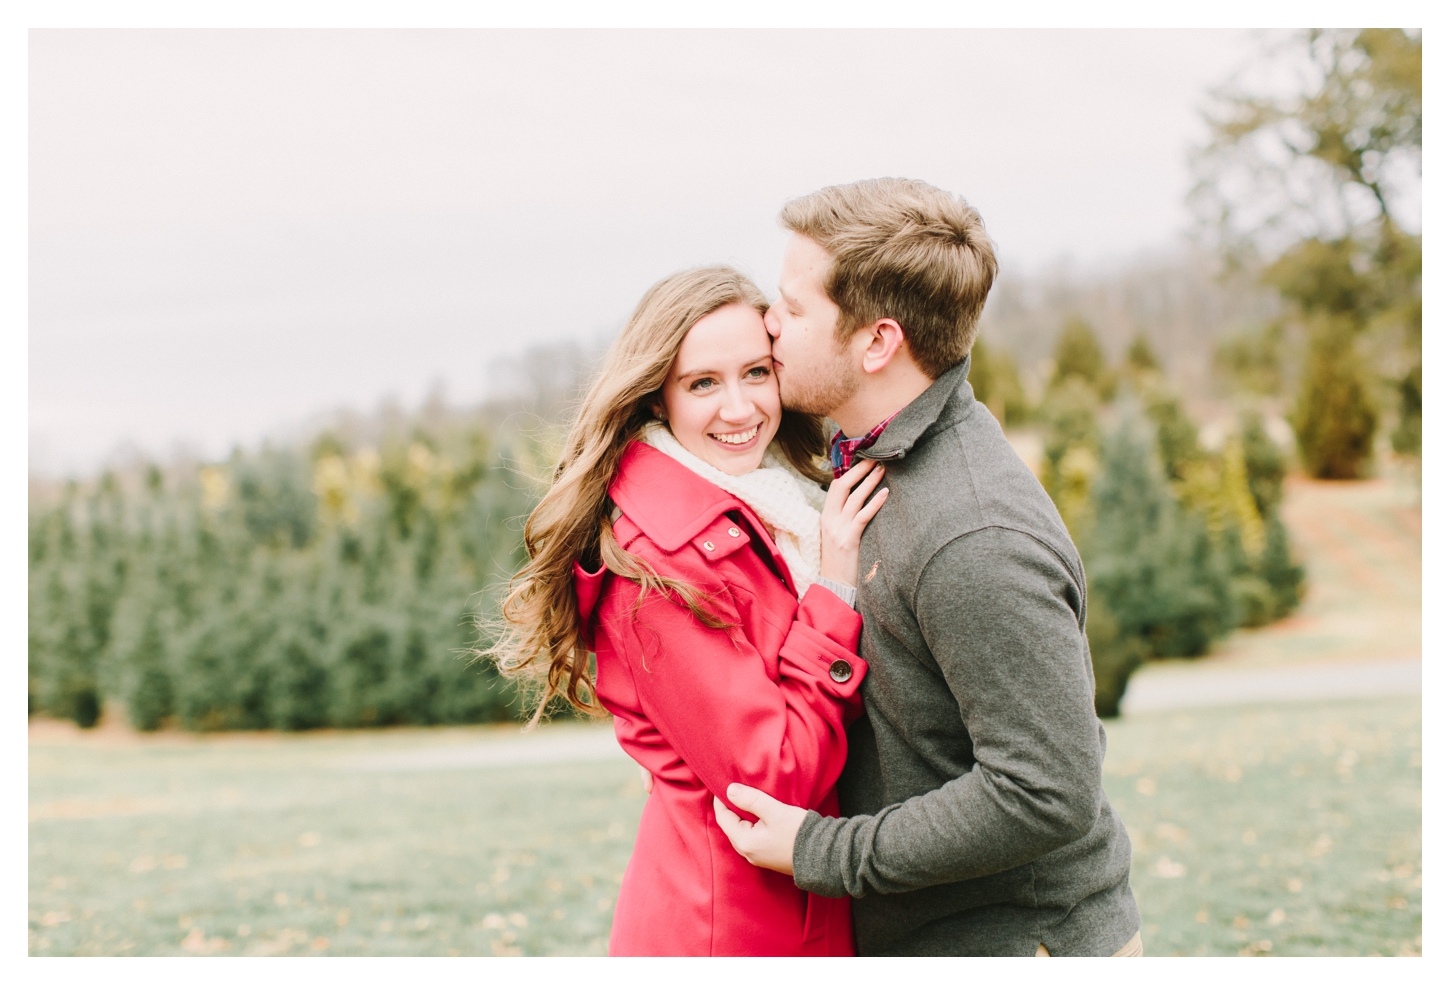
{"x":886,"y":341}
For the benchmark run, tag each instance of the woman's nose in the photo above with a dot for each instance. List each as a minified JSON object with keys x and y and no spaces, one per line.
{"x":736,"y":405}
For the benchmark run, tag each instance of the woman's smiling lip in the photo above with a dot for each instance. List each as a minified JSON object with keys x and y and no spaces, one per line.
{"x":719,"y":437}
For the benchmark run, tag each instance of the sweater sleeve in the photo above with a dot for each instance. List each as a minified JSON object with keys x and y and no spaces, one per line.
{"x":710,"y":696}
{"x":999,"y":612}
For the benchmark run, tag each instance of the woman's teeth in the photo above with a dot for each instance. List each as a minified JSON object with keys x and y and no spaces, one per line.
{"x":738,"y":438}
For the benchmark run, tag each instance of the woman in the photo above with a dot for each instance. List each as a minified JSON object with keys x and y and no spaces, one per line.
{"x":686,"y":542}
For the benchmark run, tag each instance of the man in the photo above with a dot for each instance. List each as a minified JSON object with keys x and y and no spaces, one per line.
{"x":974,"y":820}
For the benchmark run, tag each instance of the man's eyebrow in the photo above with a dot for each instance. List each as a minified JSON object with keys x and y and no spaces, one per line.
{"x":788,"y":298}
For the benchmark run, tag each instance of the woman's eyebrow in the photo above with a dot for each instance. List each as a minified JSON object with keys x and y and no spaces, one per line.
{"x":686,"y":374}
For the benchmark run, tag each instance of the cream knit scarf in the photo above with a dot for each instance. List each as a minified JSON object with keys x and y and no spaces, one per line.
{"x":779,"y":495}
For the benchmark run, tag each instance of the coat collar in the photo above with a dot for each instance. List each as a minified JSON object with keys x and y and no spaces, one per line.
{"x":946,"y":401}
{"x":667,"y":501}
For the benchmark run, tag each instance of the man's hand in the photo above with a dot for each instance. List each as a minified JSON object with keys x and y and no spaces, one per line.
{"x":769,"y":842}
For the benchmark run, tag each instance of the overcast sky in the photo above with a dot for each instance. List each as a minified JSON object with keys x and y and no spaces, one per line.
{"x":233,"y":230}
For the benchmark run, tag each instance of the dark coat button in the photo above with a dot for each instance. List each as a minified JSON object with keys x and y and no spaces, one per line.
{"x":840,"y":671}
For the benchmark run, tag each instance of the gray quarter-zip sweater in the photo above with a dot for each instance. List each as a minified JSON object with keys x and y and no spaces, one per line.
{"x":973,"y":815}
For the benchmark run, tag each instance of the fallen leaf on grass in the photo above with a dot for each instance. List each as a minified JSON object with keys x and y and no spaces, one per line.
{"x":1166,"y":868}
{"x":1171,"y":832}
{"x":115,"y":807}
{"x":198,"y":943}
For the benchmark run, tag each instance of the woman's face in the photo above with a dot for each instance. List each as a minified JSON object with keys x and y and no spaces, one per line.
{"x":720,"y":398}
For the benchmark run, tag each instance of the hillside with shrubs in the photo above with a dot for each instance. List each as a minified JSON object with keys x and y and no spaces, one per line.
{"x":331,"y":585}
{"x":1181,"y":543}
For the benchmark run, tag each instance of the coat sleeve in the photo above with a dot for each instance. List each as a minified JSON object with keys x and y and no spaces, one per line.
{"x":709,"y":693}
{"x":999,"y":612}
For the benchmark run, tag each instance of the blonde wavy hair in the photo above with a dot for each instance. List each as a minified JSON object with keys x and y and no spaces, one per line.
{"x":538,"y":641}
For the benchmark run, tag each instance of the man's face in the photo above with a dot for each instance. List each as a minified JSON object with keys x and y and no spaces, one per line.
{"x":816,"y":373}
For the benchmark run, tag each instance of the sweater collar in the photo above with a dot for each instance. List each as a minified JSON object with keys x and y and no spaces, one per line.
{"x":664,"y":499}
{"x":946,"y":401}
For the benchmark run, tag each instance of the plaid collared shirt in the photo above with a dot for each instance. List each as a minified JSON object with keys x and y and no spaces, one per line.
{"x":844,"y":449}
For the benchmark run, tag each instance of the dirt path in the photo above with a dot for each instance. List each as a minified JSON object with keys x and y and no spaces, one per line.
{"x":563,"y":743}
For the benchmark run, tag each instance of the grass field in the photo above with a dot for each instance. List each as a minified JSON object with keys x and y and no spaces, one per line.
{"x":1289,"y":829}
{"x":1274,"y":829}
{"x":265,"y":846}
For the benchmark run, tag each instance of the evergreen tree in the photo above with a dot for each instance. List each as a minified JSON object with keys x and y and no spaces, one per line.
{"x":1150,"y":563}
{"x":1078,"y":356}
{"x":1406,"y":436}
{"x":996,"y":383}
{"x":1070,"y":449}
{"x":1334,"y":417}
{"x":274,"y":592}
{"x":1141,"y":358}
{"x":1176,"y":433}
{"x":1265,"y":464}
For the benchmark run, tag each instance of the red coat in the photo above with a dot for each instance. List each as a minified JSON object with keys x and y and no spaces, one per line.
{"x":702,"y":708}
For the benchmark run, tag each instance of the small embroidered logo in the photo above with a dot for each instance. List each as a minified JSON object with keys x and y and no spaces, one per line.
{"x":872,"y":573}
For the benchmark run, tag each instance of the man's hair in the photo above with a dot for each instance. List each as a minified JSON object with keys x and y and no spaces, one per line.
{"x":905,"y":250}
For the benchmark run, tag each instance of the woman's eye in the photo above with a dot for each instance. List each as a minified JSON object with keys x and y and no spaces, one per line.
{"x":700,"y":385}
{"x":757,"y":373}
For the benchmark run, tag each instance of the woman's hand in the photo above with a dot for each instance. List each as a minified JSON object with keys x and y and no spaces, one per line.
{"x":845,"y":516}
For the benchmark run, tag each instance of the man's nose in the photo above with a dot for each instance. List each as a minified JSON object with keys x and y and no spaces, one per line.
{"x":772,"y":323}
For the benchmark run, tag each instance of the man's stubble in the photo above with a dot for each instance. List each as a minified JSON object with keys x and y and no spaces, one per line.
{"x":820,"y":389}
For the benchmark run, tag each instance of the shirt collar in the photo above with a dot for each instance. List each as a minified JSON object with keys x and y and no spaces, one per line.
{"x":917,"y":419}
{"x":844,"y":450}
